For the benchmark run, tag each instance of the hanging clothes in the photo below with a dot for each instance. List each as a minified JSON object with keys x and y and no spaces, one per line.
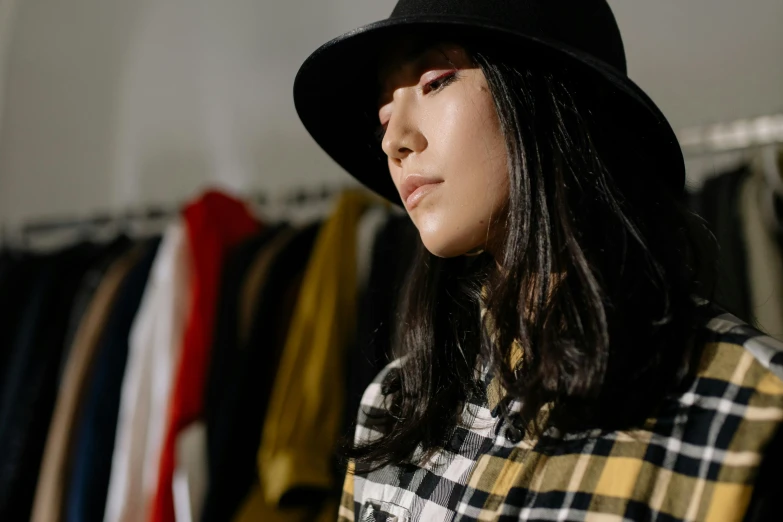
{"x":7,"y":266}
{"x":296,"y":456}
{"x":189,"y":482}
{"x":392,"y":254}
{"x":49,"y":496}
{"x":764,"y":260}
{"x":371,"y":222}
{"x":226,"y":339}
{"x":255,"y":280}
{"x":191,"y":487}
{"x":231,"y":333}
{"x":749,"y":262}
{"x":215,"y":223}
{"x":154,"y":346}
{"x":30,"y":385}
{"x":165,"y":377}
{"x":95,"y":430}
{"x":370,"y":225}
{"x":718,"y":204}
{"x":16,"y":280}
{"x":271,"y":287}
{"x":88,"y":286}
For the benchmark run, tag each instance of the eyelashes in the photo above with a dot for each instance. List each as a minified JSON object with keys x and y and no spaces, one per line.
{"x":440,"y":82}
{"x":433,"y":87}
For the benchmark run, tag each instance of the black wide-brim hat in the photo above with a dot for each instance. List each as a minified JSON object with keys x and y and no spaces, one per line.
{"x":334,"y":96}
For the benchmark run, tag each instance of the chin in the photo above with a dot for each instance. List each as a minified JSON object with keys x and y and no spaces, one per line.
{"x":445,"y":249}
{"x":448,"y":236}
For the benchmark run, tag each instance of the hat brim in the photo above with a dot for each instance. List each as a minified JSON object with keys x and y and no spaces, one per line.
{"x":331,"y":87}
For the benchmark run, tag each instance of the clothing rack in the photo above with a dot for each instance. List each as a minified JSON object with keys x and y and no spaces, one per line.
{"x":121,"y":220}
{"x":733,"y":136}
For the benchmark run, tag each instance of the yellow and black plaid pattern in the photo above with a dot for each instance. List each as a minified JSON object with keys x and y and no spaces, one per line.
{"x":696,"y":460}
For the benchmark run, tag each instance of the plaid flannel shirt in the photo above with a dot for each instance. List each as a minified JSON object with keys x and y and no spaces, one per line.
{"x":698,"y":459}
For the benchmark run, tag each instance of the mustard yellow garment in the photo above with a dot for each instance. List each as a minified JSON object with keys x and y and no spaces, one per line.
{"x":303,"y":420}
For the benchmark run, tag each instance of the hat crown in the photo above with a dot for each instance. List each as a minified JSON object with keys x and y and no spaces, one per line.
{"x":586,"y":25}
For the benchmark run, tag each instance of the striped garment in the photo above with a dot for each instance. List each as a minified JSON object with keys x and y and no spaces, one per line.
{"x":698,"y":459}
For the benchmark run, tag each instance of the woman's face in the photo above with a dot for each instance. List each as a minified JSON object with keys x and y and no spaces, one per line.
{"x":446,"y":153}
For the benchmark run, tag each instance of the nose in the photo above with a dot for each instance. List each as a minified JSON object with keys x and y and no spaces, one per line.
{"x":403,"y":135}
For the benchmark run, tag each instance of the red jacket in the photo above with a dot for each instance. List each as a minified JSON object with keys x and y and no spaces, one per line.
{"x":215,"y":223}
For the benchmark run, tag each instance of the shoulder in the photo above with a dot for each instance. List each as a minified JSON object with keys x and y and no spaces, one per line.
{"x":374,"y":407}
{"x":730,"y":418}
{"x":737,"y":394}
{"x":739,"y":354}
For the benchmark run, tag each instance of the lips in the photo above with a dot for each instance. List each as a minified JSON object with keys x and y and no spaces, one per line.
{"x":415,"y":187}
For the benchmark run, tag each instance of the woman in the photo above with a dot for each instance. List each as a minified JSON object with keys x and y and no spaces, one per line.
{"x":553,"y":362}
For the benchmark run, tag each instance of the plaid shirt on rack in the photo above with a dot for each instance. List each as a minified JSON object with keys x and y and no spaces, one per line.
{"x":697,"y":460}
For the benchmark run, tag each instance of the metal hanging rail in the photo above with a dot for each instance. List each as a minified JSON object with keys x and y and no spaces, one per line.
{"x":731,"y":136}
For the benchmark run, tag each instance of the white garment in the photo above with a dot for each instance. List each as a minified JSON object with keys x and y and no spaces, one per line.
{"x":370,"y":223}
{"x":154,"y":346}
{"x":189,"y":483}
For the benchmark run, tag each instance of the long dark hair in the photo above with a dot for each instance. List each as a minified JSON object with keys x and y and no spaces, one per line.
{"x":595,"y":280}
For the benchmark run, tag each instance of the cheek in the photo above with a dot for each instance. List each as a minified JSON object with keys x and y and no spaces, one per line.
{"x":469,"y":150}
{"x":394,"y":172}
{"x":473,"y":150}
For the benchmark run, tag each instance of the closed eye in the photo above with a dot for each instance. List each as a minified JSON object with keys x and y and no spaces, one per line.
{"x":432,"y":87}
{"x":440,"y":82}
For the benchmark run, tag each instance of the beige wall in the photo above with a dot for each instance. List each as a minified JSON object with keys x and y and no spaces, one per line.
{"x":108,"y":103}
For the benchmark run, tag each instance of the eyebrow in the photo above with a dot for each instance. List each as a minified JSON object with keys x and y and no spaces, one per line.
{"x":414,"y":53}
